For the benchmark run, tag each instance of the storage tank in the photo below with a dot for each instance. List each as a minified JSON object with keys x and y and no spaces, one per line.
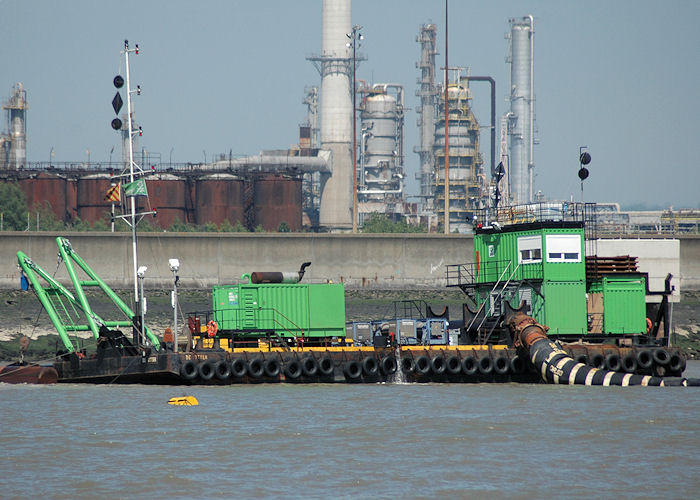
{"x":278,"y":199}
{"x":42,"y":188}
{"x":91,"y":202}
{"x":168,"y":195}
{"x":219,"y":197}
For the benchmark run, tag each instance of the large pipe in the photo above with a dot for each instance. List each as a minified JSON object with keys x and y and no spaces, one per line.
{"x":557,"y":367}
{"x":492,"y":82}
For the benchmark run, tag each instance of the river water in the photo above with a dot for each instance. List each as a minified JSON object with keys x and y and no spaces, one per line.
{"x":351,"y":441}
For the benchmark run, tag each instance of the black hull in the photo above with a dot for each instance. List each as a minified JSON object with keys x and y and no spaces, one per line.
{"x":351,"y":365}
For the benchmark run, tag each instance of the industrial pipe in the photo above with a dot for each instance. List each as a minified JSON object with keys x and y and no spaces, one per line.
{"x":557,"y":367}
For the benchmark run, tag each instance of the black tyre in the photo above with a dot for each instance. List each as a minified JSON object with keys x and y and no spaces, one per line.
{"x":676,"y":363}
{"x":438,"y":365}
{"x":238,"y":368}
{"x":661,"y":357}
{"x":309,"y":366}
{"x":256,"y":368}
{"x":501,"y":365}
{"x":188,"y":370}
{"x":206,"y":370}
{"x":422,"y":366}
{"x":326,"y":367}
{"x":517,"y":364}
{"x":222,"y":370}
{"x":612,"y":362}
{"x":292,"y":369}
{"x":470,"y":366}
{"x":370,"y":367}
{"x":582,"y":358}
{"x":629,"y":363}
{"x":388,"y":365}
{"x":644,"y":359}
{"x":454,"y":365}
{"x":485,"y":365}
{"x":407,"y":364}
{"x":352,"y":370}
{"x":598,"y":361}
{"x":272,"y":367}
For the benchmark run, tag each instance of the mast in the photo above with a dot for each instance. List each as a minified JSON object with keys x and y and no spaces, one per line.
{"x":135,"y":187}
{"x":132,"y":200}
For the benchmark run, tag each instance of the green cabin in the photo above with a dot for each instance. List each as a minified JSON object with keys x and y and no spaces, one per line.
{"x":544,"y":265}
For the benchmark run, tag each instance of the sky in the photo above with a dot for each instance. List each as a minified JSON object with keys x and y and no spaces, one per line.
{"x":620,"y":77}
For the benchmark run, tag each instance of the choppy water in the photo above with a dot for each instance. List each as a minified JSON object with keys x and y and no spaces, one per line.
{"x":319,"y":441}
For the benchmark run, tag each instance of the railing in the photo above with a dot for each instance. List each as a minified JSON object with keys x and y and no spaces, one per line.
{"x":470,"y":274}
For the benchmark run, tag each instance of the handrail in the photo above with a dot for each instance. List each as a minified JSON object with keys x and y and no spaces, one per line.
{"x":471,"y":323}
{"x":493,"y":327}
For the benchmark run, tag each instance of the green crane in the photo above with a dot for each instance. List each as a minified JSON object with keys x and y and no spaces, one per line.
{"x":61,"y":303}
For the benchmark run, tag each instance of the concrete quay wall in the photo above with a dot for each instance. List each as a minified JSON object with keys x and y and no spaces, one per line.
{"x":361,"y":261}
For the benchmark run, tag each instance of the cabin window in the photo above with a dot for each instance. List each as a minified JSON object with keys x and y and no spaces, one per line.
{"x":563,"y":247}
{"x":529,"y":249}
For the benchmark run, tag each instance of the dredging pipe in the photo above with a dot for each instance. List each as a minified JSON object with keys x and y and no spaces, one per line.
{"x":557,"y":367}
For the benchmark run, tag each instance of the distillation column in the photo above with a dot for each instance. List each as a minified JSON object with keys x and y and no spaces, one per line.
{"x":522,"y":102}
{"x":426,"y":121}
{"x":335,"y":66}
{"x":16,"y":106}
{"x":467,"y":180}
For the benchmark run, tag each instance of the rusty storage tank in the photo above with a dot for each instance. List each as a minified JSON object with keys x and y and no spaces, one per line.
{"x":51,"y":188}
{"x":278,"y":199}
{"x":219,"y":197}
{"x":168,"y":196}
{"x":91,"y":202}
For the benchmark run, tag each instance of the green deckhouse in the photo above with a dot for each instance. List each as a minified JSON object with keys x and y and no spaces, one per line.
{"x":542,"y":265}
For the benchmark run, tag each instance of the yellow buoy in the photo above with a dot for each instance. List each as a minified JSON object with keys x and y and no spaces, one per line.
{"x":184,"y":401}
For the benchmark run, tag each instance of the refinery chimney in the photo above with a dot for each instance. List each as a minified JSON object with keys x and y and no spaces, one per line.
{"x":522,"y":109}
{"x":14,"y":156}
{"x":335,"y":65}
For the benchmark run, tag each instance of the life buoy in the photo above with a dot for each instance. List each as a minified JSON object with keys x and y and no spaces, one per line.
{"x":212,"y":328}
{"x":649,"y":325}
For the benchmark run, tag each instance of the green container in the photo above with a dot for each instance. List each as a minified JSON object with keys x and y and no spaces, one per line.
{"x":565,"y":307}
{"x":289,"y":310}
{"x":624,"y":303}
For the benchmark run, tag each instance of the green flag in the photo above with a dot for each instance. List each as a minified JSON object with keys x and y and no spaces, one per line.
{"x":136,"y":188}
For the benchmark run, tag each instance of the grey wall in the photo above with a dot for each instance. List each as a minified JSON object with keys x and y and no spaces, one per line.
{"x":373,"y":261}
{"x":366,"y":260}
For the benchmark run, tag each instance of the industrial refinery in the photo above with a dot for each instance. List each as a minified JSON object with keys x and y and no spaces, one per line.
{"x":350,"y":159}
